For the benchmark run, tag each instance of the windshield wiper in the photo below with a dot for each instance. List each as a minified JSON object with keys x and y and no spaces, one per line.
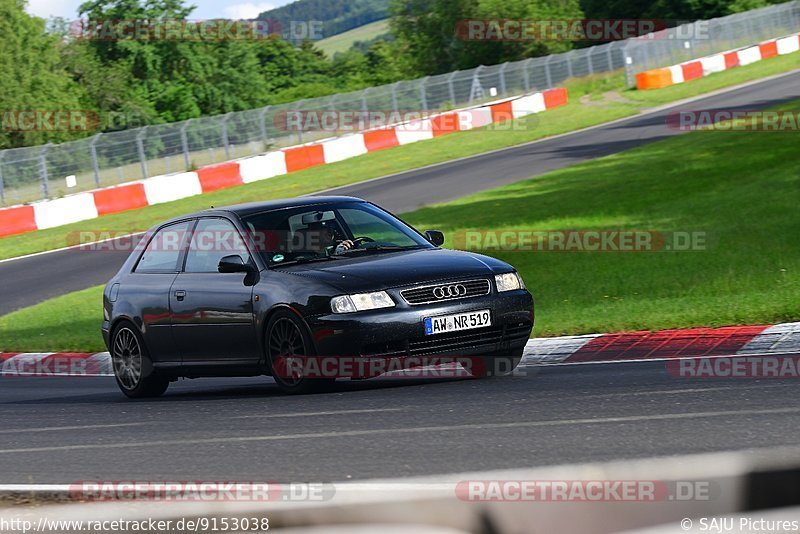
{"x":302,"y":260}
{"x":382,"y":248}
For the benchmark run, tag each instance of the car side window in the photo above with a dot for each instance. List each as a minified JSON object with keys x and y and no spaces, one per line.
{"x":164,"y":249}
{"x":212,"y":240}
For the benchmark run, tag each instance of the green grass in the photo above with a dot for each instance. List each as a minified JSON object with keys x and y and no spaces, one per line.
{"x":574,"y":116}
{"x":67,"y":323}
{"x":741,"y":189}
{"x":343,"y":41}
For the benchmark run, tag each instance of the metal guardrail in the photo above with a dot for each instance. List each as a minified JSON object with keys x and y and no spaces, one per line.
{"x":34,"y":173}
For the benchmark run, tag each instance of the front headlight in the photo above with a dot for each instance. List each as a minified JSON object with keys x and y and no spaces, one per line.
{"x":361,"y":302}
{"x":508,"y":282}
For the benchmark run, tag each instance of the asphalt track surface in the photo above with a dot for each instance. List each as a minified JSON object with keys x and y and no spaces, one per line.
{"x":27,"y":281}
{"x":58,"y":430}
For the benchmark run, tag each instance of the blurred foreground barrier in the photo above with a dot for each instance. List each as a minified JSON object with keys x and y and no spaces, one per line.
{"x":592,"y":498}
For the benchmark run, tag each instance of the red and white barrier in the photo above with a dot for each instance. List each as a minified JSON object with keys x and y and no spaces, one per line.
{"x":167,"y":188}
{"x":684,"y":72}
{"x":64,"y":210}
{"x":160,"y":189}
{"x":592,"y":348}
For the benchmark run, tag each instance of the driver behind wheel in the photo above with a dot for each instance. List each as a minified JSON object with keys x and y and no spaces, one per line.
{"x":327,"y":243}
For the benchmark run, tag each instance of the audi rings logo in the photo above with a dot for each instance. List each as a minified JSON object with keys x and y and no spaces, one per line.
{"x":449,"y":292}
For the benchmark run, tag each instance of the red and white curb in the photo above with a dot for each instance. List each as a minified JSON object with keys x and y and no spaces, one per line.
{"x":592,"y":348}
{"x":159,"y":189}
{"x":665,"y":344}
{"x":45,"y":364}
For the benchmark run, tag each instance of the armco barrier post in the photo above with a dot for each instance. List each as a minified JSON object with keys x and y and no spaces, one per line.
{"x":502,"y":76}
{"x":475,"y":82}
{"x":299,"y":128}
{"x":548,"y":75}
{"x":423,"y":96}
{"x":2,"y":182}
{"x":394,"y":97}
{"x":185,"y":143}
{"x":526,"y":75}
{"x":225,"y":138}
{"x":450,"y":89}
{"x":95,"y":166}
{"x":43,"y":170}
{"x":140,"y":147}
{"x":364,"y":104}
{"x":262,"y":123}
{"x":569,"y":63}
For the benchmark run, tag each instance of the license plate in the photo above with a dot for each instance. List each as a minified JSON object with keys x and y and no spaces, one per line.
{"x":457,"y":321}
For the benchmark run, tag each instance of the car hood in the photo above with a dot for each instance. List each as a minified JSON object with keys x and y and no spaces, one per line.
{"x":396,"y":269}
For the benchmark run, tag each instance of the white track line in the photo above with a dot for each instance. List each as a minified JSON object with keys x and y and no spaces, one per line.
{"x":415,"y":430}
{"x":315,"y":414}
{"x":61,"y":428}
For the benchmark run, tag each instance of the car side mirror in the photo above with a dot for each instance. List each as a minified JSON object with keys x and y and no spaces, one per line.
{"x":234,"y":264}
{"x":435,"y":236}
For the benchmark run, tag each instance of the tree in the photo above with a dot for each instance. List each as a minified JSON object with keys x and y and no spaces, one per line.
{"x":33,"y":79}
{"x":427,"y":31}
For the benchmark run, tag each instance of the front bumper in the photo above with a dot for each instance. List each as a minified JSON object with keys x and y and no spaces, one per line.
{"x":399,"y":332}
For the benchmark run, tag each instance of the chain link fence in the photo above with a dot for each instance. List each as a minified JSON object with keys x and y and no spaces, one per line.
{"x":34,"y":173}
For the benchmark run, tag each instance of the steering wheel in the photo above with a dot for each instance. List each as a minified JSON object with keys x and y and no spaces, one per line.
{"x":358,"y":241}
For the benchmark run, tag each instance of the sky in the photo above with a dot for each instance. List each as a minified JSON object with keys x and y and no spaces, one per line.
{"x":206,"y":9}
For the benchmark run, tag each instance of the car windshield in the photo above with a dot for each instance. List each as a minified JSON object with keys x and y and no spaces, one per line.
{"x":328,"y":232}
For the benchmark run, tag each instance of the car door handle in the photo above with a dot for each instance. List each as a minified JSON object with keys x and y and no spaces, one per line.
{"x":180,"y":294}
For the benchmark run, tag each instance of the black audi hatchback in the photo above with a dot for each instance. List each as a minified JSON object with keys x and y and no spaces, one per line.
{"x":306,"y":290}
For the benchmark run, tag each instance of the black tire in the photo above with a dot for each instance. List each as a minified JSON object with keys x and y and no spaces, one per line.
{"x":133,"y":368}
{"x":494,"y":366}
{"x":286,"y":337}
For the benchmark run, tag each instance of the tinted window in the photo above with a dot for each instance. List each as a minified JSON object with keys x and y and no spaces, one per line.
{"x":212,"y":240}
{"x":164,"y":249}
{"x":314,"y":232}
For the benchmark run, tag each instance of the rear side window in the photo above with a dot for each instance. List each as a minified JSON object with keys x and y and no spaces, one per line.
{"x":164,"y":249}
{"x":212,"y":240}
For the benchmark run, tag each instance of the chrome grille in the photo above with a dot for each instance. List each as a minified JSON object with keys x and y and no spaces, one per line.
{"x":446,"y":291}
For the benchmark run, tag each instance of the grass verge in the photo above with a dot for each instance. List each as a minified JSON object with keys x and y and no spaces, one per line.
{"x":589,"y":105}
{"x":747,"y":273}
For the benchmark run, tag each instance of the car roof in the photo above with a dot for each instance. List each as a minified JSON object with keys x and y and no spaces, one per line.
{"x":250,"y":208}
